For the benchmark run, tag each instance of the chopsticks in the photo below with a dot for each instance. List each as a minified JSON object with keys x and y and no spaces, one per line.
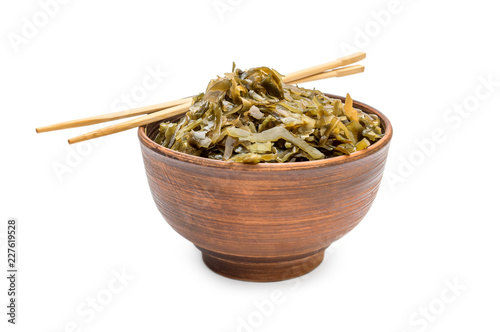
{"x":345,"y":71}
{"x":340,"y":62}
{"x":164,"y":110}
{"x":112,"y":116}
{"x":134,"y":123}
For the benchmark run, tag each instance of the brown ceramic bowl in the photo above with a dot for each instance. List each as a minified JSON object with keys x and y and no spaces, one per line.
{"x":263,"y":222}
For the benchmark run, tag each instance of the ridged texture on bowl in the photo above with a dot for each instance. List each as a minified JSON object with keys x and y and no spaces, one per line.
{"x":250,"y":219}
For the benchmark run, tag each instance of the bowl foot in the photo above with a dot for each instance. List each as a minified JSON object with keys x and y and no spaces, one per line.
{"x":261,"y":269}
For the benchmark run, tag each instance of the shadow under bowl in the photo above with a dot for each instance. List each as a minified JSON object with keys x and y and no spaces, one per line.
{"x":269,"y":221}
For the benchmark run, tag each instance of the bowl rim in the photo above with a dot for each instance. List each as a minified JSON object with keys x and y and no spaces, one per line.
{"x":187,"y":158}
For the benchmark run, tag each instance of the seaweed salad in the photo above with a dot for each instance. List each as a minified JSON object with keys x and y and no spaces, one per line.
{"x":252,"y":116}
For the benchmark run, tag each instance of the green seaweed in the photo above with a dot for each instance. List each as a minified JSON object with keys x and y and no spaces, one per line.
{"x":252,"y":116}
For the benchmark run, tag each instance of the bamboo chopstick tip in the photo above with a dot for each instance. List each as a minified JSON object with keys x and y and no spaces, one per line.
{"x":79,"y":139}
{"x":40,"y":130}
{"x":360,"y":54}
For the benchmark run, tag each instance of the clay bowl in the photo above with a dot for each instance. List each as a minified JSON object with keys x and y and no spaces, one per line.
{"x":264,"y":222}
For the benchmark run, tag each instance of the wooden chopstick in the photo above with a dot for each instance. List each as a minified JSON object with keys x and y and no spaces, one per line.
{"x":161,"y":111}
{"x":340,"y":62}
{"x":112,"y":116}
{"x":143,"y":120}
{"x":296,"y":77}
{"x":184,"y":107}
{"x":345,"y":71}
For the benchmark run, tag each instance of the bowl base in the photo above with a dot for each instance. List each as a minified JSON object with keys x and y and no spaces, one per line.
{"x":261,"y":269}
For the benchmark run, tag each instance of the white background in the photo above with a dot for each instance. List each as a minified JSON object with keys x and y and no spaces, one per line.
{"x":434,"y":223}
